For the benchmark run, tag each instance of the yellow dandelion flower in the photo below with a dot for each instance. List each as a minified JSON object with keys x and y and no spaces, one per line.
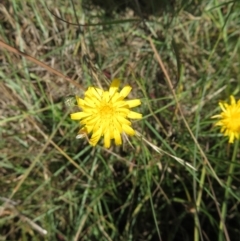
{"x":106,"y":113}
{"x":229,"y":119}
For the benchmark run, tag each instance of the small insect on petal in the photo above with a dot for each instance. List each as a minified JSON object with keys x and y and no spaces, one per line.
{"x":80,"y":136}
{"x":82,"y":133}
{"x":70,"y":101}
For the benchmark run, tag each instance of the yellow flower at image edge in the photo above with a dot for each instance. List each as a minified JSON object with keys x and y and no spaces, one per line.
{"x":229,"y":119}
{"x":106,"y":113}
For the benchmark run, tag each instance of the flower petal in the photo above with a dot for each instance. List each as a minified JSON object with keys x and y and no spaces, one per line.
{"x":114,"y":86}
{"x":79,"y":115}
{"x":133,"y":103}
{"x":123,"y":120}
{"x":107,"y":139}
{"x":80,"y":102}
{"x":105,"y":96}
{"x":216,"y":116}
{"x":125,"y":91}
{"x":222,"y":106}
{"x":117,"y":126}
{"x":95,"y":92}
{"x":232,"y":99}
{"x":231,"y":137}
{"x":95,"y":137}
{"x":134,"y":115}
{"x":128,"y":130}
{"x":91,"y":120}
{"x":117,"y":137}
{"x":120,"y":104}
{"x":89,"y":128}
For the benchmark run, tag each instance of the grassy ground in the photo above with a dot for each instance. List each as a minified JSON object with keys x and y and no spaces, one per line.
{"x":180,"y":62}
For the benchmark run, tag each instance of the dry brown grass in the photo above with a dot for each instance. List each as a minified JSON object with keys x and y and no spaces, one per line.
{"x":51,"y":181}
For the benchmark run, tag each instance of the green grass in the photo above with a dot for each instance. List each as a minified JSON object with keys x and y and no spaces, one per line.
{"x":56,"y":187}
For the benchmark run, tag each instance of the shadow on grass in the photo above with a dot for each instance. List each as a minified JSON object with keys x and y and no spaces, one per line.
{"x":144,"y":8}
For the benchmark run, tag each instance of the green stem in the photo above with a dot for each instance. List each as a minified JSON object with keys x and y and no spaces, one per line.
{"x":227,"y":193}
{"x":198,"y":203}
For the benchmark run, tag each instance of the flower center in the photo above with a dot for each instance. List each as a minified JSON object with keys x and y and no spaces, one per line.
{"x":106,"y":111}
